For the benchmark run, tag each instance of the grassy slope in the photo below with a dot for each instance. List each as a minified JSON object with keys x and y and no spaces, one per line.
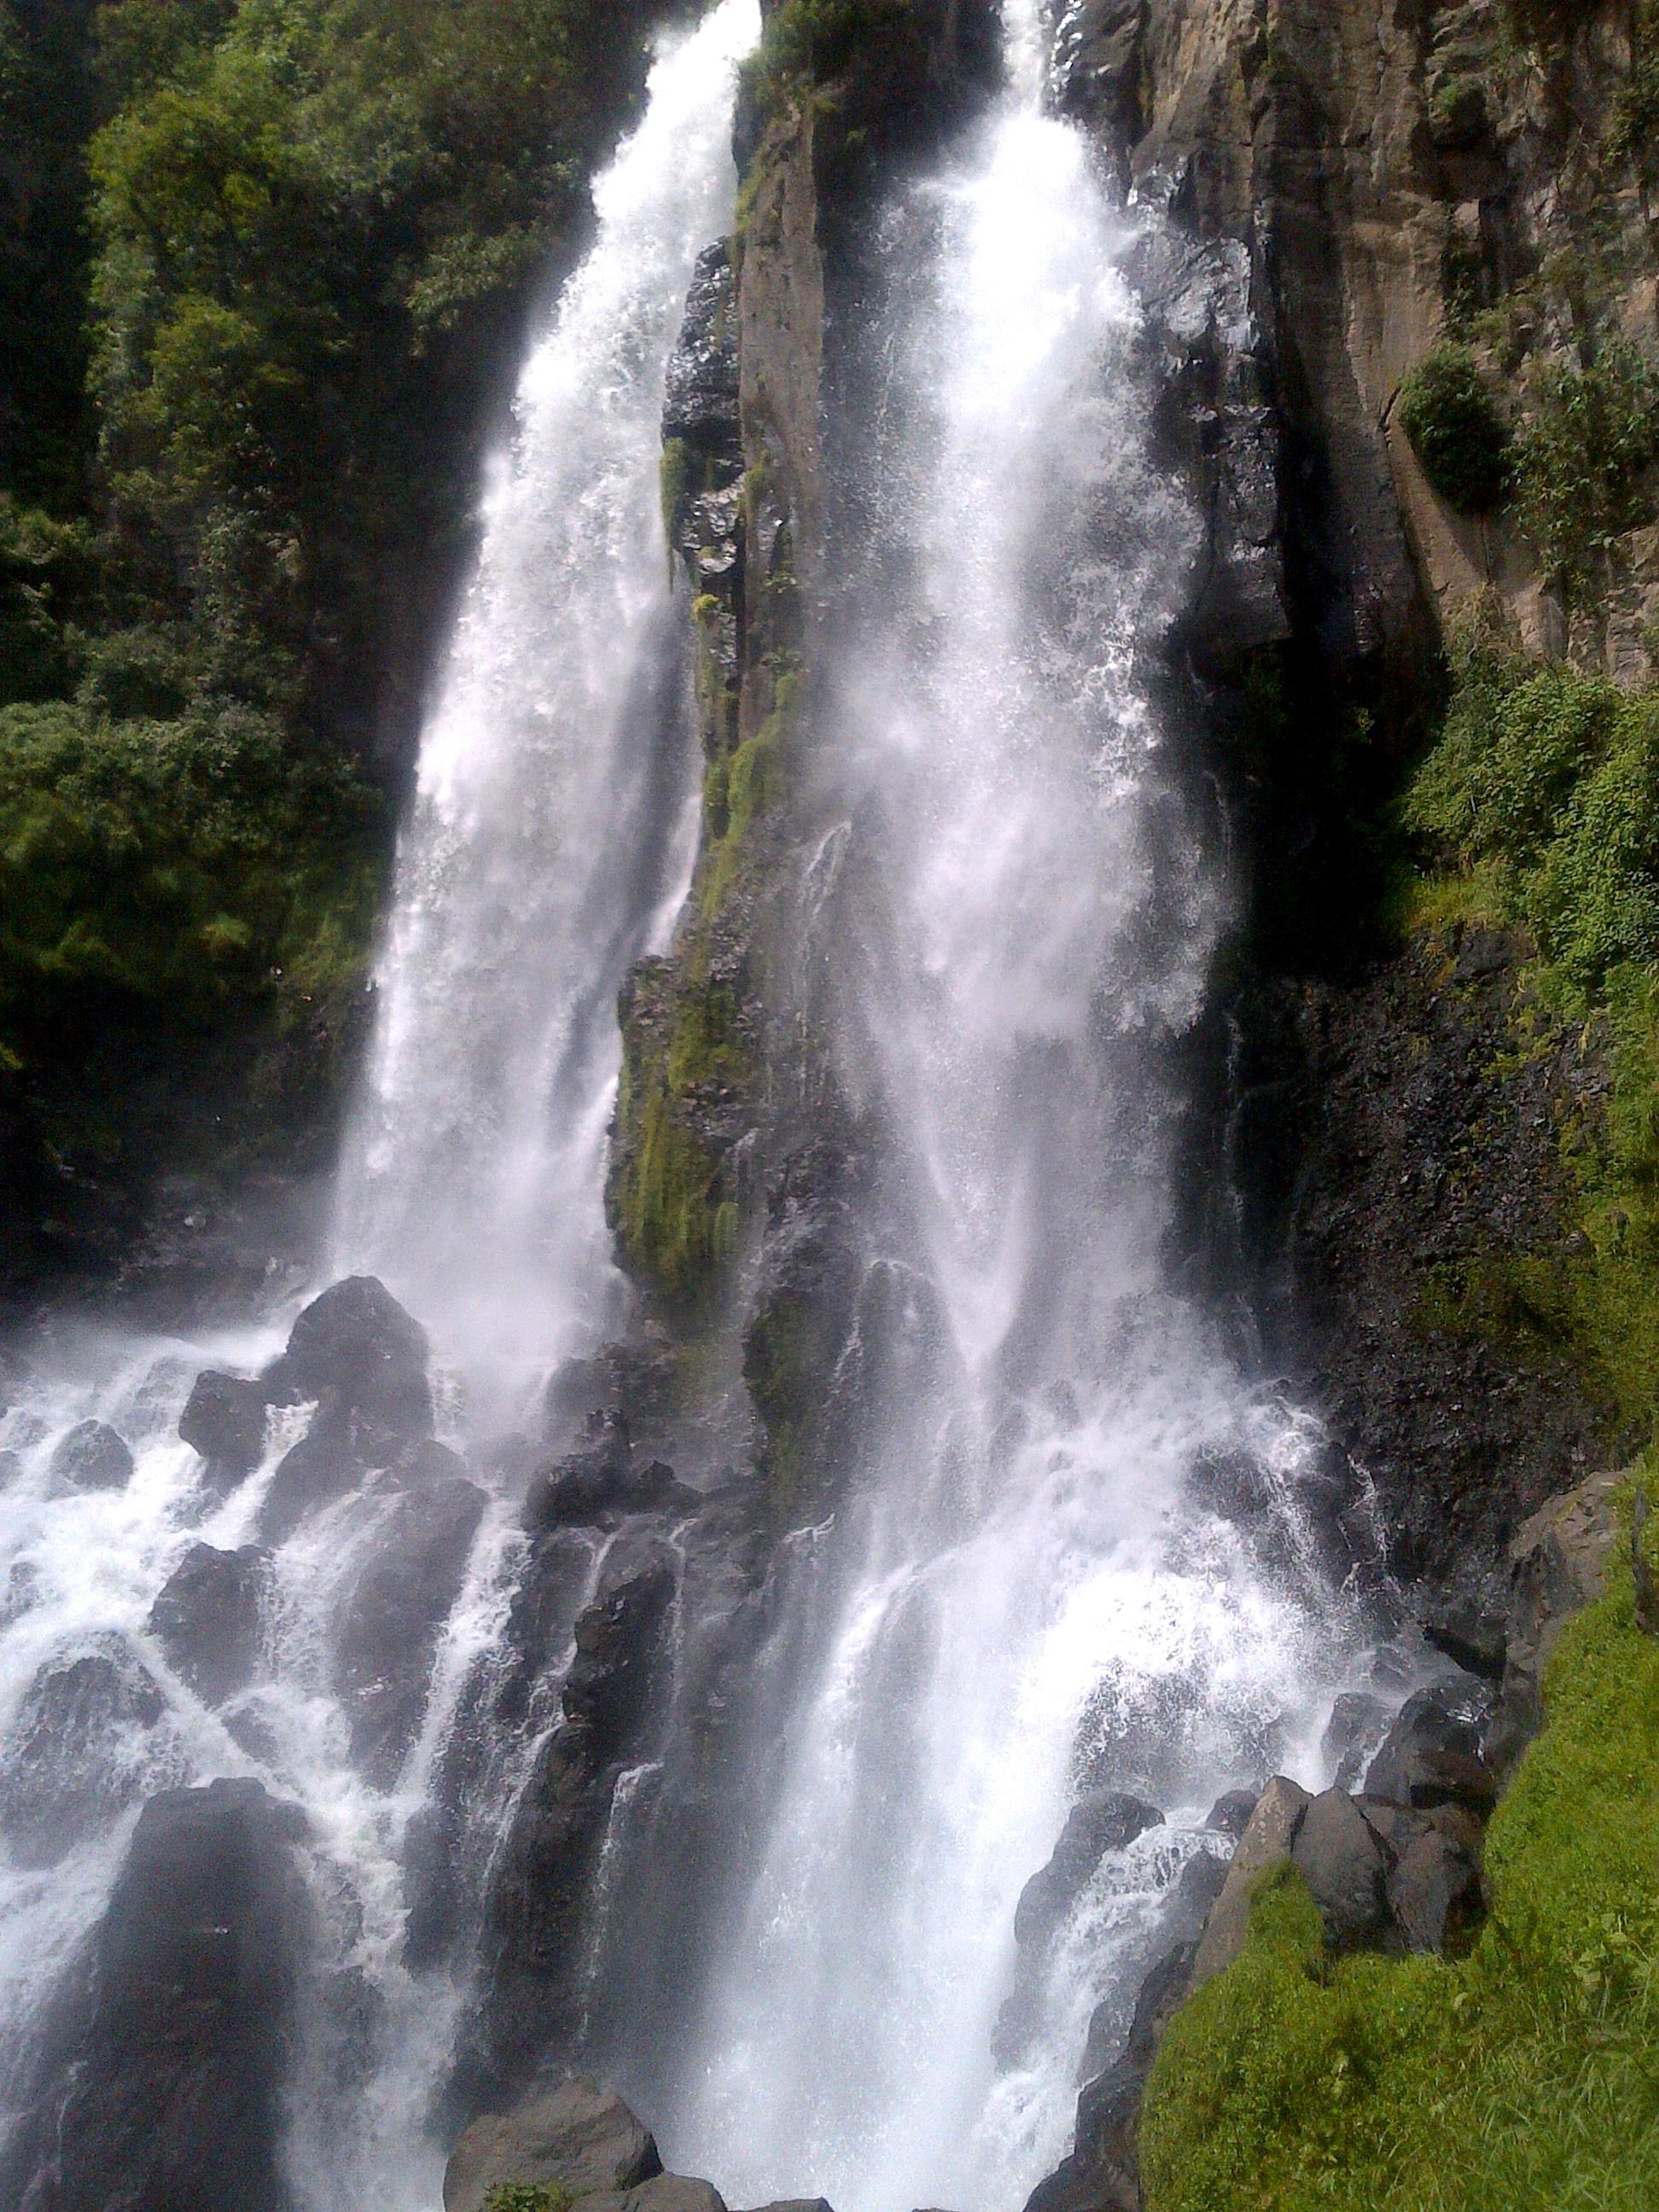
{"x":1523,"y":2078}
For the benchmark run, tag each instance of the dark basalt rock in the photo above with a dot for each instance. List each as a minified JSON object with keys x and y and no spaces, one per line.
{"x":1230,"y":1815}
{"x":207,"y":1617}
{"x":87,"y":1741}
{"x":534,"y":1911}
{"x":225,"y":1421}
{"x":701,"y":385}
{"x":391,"y":1619}
{"x":323,"y":1466}
{"x":600,"y":1487}
{"x":91,"y":1456}
{"x":1434,"y":1892}
{"x":1433,"y":1720}
{"x":1100,"y":2174}
{"x":1357,"y":1729}
{"x":356,"y":1347}
{"x":160,"y":2085}
{"x":1477,"y":1642}
{"x":1104,"y":1821}
{"x":1343,"y":1863}
{"x":1097,"y":66}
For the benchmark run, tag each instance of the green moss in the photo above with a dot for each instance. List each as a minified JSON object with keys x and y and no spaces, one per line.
{"x":529,"y":2197}
{"x":1523,"y":2078}
{"x":674,"y":473}
{"x":1456,"y":429}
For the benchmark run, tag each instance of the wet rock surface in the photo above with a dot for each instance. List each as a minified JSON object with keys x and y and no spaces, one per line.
{"x":91,"y":1456}
{"x":160,"y":2086}
{"x":224,"y":1421}
{"x":208,"y":1618}
{"x":89,"y":1740}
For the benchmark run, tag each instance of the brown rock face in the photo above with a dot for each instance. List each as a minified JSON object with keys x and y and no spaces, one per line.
{"x":1272,"y":1831}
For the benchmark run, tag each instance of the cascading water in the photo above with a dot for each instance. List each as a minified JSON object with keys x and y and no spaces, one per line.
{"x":1024,"y":1597}
{"x":550,"y":839}
{"x":551,"y":831}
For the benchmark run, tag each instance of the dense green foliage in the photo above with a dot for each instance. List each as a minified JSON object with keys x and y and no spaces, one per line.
{"x":265,"y":264}
{"x":1547,"y":779}
{"x":1523,"y":2078}
{"x":1456,"y":430}
{"x":1591,"y":432}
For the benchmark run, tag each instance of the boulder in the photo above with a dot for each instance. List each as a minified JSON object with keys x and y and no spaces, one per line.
{"x":1557,"y":1564}
{"x":1433,"y":1720}
{"x":664,"y":2192}
{"x":1449,"y":1777}
{"x":1269,"y":1837}
{"x":393,"y":1614}
{"x":1357,"y":1725}
{"x":357,"y":1344}
{"x":1343,"y":1863}
{"x":323,"y":1466}
{"x":1104,"y":1820}
{"x":1434,"y":1892}
{"x":1477,"y":1642}
{"x":207,"y":1619}
{"x":601,"y":1487}
{"x":87,"y":1741}
{"x":224,"y":1421}
{"x":577,"y":2135}
{"x":1100,"y":2175}
{"x":1201,"y":1881}
{"x":159,"y":2087}
{"x":91,"y":1456}
{"x":1230,"y":1815}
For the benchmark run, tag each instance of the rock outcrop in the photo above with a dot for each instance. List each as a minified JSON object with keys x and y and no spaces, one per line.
{"x":159,"y":2084}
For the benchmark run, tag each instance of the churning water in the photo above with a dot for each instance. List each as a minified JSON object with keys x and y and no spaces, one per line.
{"x":550,"y":838}
{"x":1024,"y":1596}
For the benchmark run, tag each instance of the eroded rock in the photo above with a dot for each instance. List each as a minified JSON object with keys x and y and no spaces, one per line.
{"x":91,"y":1457}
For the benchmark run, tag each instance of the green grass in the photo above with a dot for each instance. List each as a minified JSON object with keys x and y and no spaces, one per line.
{"x":1522,"y":2078}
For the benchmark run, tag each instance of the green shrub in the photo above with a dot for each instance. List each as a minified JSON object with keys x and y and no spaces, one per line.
{"x":1590,"y":437}
{"x":529,"y":2197}
{"x":180,"y":870}
{"x":1523,"y":2078}
{"x":1456,"y":430}
{"x":1550,"y":779}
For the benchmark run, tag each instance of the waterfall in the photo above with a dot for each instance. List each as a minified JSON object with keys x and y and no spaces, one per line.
{"x":553,"y":825}
{"x":1027,"y":1595}
{"x":550,"y":843}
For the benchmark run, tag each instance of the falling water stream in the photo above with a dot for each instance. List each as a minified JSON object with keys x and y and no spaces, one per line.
{"x":1026,"y":1598}
{"x":1026,"y":1595}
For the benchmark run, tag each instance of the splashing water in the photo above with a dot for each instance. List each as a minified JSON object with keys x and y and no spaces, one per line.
{"x":1024,"y":1598}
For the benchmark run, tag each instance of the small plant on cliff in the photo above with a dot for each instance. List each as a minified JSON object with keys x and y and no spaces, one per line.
{"x":529,"y":2197}
{"x":808,"y":42}
{"x":1456,"y":430}
{"x":1592,"y":434}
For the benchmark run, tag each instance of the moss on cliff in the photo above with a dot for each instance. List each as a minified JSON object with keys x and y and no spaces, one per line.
{"x":1522,"y":2078}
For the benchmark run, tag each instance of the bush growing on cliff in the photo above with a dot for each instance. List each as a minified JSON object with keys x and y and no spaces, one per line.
{"x":1456,"y":430}
{"x":808,"y":42}
{"x":1550,"y":779}
{"x":1591,"y":435}
{"x":1523,"y":2078}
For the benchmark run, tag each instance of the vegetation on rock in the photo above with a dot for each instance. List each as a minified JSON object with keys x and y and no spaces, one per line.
{"x":1456,"y":430}
{"x":1522,"y":2077}
{"x":529,"y":2197}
